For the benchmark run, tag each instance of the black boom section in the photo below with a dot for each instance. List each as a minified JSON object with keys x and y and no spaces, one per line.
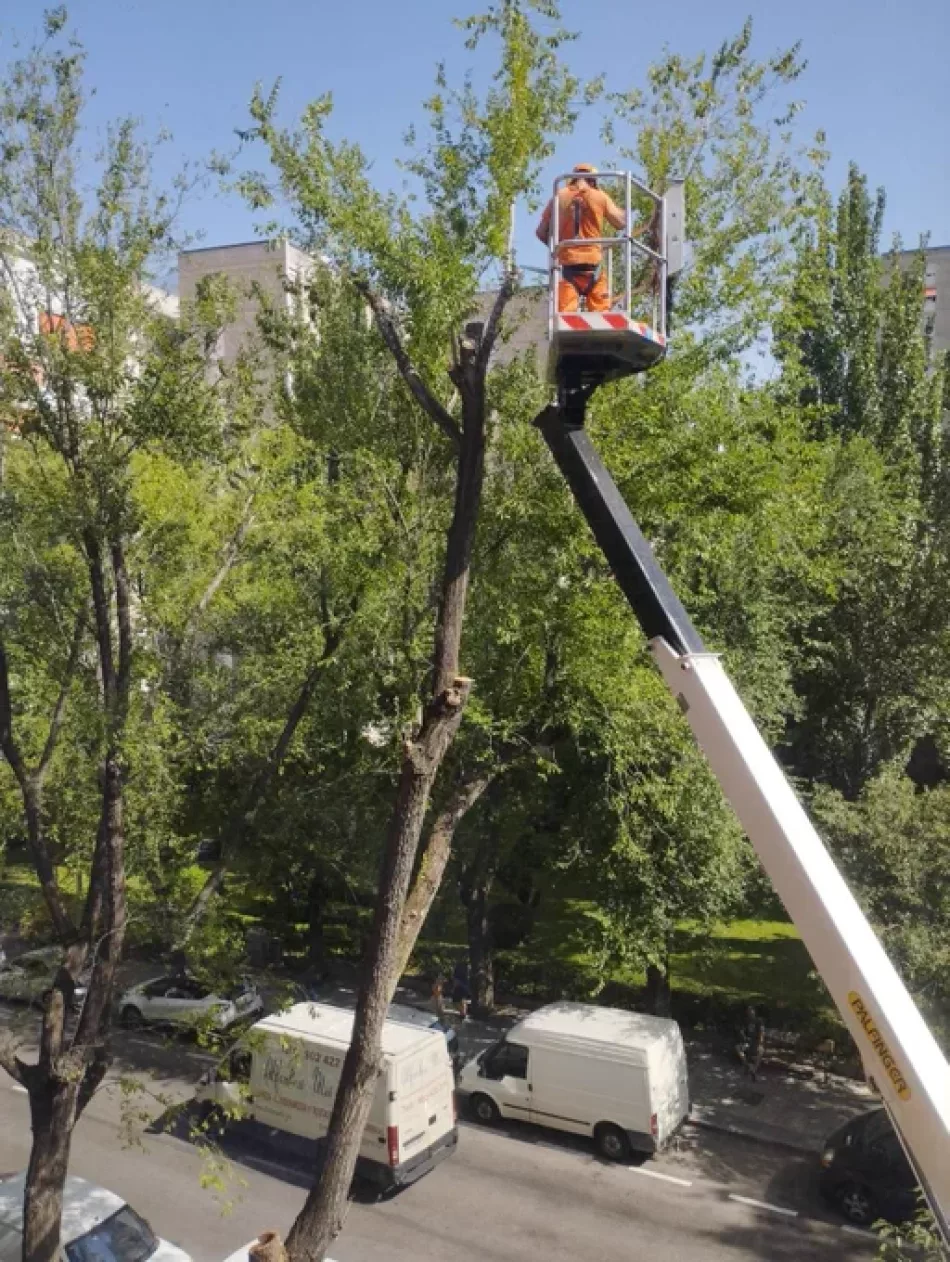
{"x":631,"y":558}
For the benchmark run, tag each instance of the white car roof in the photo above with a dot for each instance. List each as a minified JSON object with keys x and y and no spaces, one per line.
{"x":84,"y":1205}
{"x":591,"y":1024}
{"x":170,"y":976}
{"x":326,"y":1023}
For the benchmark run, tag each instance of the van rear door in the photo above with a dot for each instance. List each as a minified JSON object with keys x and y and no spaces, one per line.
{"x":423,"y":1110}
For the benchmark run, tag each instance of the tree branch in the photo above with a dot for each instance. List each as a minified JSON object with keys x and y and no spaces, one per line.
{"x":262,"y":782}
{"x":93,"y":1076}
{"x":9,"y":746}
{"x":100,"y":605}
{"x":10,"y":1061}
{"x":434,"y":858}
{"x":124,"y":617}
{"x":232,"y":551}
{"x":417,"y":387}
{"x":31,"y":792}
{"x":493,"y":324}
{"x":56,"y":720}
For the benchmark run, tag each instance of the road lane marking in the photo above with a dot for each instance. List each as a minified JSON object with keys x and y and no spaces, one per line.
{"x":775,"y":1209}
{"x":658,"y":1174}
{"x":143,"y":1043}
{"x":205,"y":1060}
{"x":16,"y":1087}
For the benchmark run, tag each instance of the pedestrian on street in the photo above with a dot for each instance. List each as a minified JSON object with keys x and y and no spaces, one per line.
{"x":438,"y":999}
{"x":751,"y":1044}
{"x":461,"y":991}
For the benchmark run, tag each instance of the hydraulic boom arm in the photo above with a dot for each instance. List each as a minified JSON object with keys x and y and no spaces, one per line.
{"x":900,"y":1055}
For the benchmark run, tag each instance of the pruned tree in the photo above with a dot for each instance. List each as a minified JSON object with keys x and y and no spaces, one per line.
{"x":419,"y":266}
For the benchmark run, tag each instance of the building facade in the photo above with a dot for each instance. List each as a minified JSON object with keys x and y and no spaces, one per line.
{"x":271,"y":268}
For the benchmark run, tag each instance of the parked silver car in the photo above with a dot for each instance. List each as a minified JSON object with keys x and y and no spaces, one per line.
{"x":182,"y":1000}
{"x":29,"y":976}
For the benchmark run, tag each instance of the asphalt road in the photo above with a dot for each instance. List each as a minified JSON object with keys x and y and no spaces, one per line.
{"x":509,"y":1195}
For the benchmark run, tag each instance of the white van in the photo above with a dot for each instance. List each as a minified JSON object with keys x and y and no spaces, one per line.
{"x":285,"y":1072}
{"x":618,"y":1076}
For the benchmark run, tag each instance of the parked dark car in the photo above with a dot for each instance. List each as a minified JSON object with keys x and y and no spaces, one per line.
{"x":864,"y":1171}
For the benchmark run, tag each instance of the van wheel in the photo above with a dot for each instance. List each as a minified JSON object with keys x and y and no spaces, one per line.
{"x":131,"y":1018}
{"x":611,"y":1142}
{"x":484,"y":1109}
{"x":856,"y":1203}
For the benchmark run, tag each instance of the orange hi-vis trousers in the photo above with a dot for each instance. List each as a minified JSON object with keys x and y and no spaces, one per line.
{"x":595,"y":299}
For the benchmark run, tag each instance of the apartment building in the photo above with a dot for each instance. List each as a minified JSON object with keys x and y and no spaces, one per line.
{"x":935,"y":298}
{"x":270,"y":268}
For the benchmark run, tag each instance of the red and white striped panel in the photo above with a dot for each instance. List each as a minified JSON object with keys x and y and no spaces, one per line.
{"x":605,"y":322}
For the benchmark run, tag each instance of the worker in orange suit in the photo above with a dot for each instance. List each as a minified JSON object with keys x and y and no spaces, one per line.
{"x":584,"y":210}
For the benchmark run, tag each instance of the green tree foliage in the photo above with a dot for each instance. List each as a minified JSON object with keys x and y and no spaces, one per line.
{"x":418,"y":265}
{"x":94,"y":384}
{"x":720,"y":477}
{"x":920,"y":1239}
{"x":854,"y":358}
{"x":893,"y":844}
{"x":721,"y":122}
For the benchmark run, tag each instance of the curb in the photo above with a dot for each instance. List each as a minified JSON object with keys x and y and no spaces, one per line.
{"x":788,"y":1142}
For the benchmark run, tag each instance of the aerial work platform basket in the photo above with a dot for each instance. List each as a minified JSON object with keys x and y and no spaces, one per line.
{"x":587,"y":348}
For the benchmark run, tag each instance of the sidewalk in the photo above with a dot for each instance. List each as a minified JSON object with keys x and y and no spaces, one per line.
{"x":779,"y":1108}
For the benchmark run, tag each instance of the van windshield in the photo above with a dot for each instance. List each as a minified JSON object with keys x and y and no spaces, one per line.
{"x":506,"y":1060}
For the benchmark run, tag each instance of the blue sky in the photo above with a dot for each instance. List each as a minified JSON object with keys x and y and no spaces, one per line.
{"x":875,"y":80}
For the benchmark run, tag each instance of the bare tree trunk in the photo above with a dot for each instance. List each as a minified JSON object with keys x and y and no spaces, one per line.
{"x":52,"y":1118}
{"x":67,"y":1073}
{"x":658,"y":990}
{"x":321,"y":1218}
{"x":434,"y":858}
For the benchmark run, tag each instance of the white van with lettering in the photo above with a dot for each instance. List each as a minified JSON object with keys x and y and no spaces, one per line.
{"x":284,"y":1074}
{"x":617,"y":1076}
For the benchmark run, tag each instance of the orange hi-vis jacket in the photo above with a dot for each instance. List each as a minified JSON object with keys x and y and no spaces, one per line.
{"x":583,"y":211}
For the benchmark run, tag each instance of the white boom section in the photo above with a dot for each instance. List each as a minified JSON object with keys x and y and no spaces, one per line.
{"x":899,"y":1052}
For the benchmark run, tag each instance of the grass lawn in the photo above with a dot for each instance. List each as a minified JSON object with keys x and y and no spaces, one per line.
{"x":758,"y":961}
{"x":713,"y":973}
